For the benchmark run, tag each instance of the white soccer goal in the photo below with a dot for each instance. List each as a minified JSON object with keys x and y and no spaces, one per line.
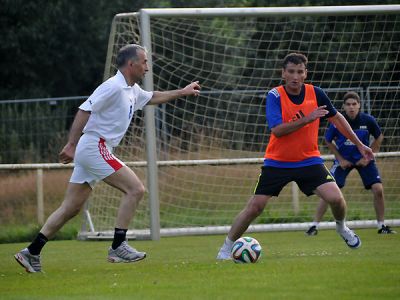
{"x":204,"y":154}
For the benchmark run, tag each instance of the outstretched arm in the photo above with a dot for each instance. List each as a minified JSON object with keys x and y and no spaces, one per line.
{"x":343,"y":126}
{"x":192,"y":89}
{"x":67,"y":153}
{"x":289,"y":127}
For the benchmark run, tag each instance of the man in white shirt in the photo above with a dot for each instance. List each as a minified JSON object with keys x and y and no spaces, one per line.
{"x":104,"y":119}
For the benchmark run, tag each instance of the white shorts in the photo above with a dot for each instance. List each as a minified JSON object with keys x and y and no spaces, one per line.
{"x":93,"y":160}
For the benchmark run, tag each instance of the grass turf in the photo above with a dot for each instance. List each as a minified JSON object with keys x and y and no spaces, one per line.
{"x":293,"y":266}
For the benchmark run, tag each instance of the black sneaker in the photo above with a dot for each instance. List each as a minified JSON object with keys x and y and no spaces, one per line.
{"x":386,"y":230}
{"x":312,"y":230}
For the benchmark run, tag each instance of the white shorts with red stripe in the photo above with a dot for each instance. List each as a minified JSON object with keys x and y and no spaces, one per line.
{"x":93,"y":160}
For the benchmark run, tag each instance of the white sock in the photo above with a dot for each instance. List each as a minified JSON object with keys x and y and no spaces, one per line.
{"x":315,"y":224}
{"x":380,"y":224}
{"x":340,"y":225}
{"x":228,"y":243}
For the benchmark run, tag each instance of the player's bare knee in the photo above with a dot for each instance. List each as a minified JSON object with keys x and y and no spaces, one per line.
{"x":335,"y":201}
{"x":377,"y":189}
{"x":379,"y":192}
{"x":255,"y":209}
{"x":136,"y":192}
{"x":140,"y":191}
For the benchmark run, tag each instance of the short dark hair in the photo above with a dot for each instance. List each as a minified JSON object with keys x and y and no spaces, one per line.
{"x":295,"y":58}
{"x":351,"y":95}
{"x":128,"y":52}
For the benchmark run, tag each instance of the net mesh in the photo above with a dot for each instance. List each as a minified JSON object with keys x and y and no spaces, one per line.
{"x":237,"y":61}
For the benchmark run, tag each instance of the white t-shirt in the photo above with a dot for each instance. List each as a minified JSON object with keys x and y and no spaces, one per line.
{"x":112,"y":106}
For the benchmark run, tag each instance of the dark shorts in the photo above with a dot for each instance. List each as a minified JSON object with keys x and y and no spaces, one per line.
{"x":272,"y":180}
{"x":369,"y":174}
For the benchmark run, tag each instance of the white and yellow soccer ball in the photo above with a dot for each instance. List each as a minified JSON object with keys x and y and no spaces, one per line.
{"x":246,"y":250}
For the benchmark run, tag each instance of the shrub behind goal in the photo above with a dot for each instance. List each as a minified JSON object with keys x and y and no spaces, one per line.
{"x":200,"y":157}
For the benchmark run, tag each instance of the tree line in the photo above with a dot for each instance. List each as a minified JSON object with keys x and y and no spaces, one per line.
{"x":58,"y":48}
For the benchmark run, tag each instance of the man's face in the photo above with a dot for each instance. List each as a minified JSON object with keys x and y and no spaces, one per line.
{"x":351,"y":108}
{"x":294,"y":76}
{"x":139,"y":67}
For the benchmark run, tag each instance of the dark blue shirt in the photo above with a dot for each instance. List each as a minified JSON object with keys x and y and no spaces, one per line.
{"x":274,"y":118}
{"x":364,"y":126}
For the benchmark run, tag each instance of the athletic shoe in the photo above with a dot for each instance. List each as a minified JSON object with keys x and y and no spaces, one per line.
{"x":30,"y":262}
{"x":352,"y":240}
{"x":386,"y":230}
{"x":224,"y":253}
{"x":312,"y":230}
{"x":125,"y":253}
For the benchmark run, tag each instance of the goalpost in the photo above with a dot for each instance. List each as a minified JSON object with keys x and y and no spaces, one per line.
{"x":200,"y":157}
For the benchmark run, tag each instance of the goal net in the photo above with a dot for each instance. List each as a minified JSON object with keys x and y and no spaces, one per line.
{"x":209,"y":148}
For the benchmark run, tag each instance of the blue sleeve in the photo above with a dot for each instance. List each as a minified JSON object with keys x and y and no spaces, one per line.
{"x":273,"y":109}
{"x":323,"y":99}
{"x":330,"y":133}
{"x":373,"y":127}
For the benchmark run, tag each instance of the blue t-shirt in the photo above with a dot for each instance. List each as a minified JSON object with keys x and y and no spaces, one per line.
{"x":274,"y":118}
{"x":364,"y":126}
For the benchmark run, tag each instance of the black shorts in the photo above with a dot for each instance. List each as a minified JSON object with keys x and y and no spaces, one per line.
{"x":272,"y":179}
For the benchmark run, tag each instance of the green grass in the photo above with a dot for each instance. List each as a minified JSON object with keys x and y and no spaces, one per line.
{"x":23,"y":233}
{"x":293,"y":266}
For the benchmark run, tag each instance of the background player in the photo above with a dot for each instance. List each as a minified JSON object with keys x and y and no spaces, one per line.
{"x":348,"y":158}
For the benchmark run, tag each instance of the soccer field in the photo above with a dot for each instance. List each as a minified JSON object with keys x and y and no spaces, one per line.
{"x":293,"y":266}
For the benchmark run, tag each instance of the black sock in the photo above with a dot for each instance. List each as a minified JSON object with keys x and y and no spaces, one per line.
{"x":37,"y":244}
{"x":119,"y":237}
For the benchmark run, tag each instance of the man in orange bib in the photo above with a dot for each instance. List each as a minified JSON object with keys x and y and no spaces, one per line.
{"x":293,"y":113}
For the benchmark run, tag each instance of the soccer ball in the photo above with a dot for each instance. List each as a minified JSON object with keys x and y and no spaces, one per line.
{"x":246,"y":250}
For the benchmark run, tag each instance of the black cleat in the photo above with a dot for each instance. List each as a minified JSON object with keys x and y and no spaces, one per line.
{"x":312,"y":230}
{"x":386,"y":230}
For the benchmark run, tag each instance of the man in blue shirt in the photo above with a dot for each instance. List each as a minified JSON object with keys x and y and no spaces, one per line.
{"x":348,"y":158}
